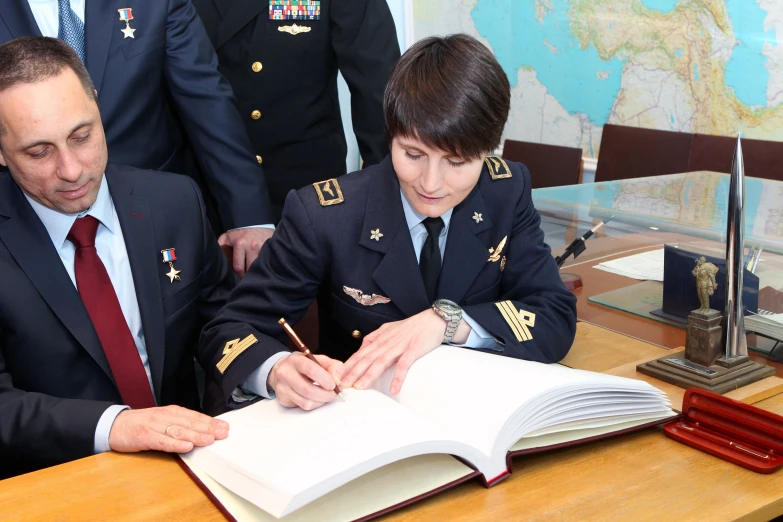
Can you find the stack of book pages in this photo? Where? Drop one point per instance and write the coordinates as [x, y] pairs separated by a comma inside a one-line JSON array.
[[768, 325]]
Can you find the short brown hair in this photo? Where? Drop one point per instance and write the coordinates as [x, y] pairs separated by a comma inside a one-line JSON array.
[[31, 59], [449, 92]]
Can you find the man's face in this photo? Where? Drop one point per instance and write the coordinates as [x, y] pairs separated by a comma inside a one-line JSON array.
[[434, 181], [54, 143]]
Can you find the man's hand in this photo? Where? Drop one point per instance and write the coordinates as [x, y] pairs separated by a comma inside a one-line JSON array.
[[172, 429], [292, 379], [246, 243], [400, 343]]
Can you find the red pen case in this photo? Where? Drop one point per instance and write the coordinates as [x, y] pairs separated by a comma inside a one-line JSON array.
[[731, 430]]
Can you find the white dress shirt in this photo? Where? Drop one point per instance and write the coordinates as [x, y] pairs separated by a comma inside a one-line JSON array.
[[478, 337], [110, 244], [47, 17]]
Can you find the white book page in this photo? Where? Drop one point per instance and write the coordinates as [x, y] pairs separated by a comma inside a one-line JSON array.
[[378, 490], [482, 397], [282, 458]]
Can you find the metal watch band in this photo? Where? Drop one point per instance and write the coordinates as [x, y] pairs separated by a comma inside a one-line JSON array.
[[452, 319]]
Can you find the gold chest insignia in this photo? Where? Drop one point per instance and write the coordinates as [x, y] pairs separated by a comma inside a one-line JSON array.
[[294, 29], [494, 253]]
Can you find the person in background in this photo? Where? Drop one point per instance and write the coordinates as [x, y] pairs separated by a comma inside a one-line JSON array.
[[163, 103], [107, 272], [439, 243], [282, 61]]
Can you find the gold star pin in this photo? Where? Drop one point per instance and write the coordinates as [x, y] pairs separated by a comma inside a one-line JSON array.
[[173, 273], [376, 234], [477, 218], [128, 32]]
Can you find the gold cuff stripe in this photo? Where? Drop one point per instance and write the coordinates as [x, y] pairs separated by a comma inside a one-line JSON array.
[[233, 349], [512, 318]]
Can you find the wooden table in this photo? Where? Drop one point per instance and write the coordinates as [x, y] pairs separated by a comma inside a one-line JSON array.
[[642, 476]]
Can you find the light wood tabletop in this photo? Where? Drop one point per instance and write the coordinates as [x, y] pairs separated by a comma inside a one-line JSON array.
[[640, 476]]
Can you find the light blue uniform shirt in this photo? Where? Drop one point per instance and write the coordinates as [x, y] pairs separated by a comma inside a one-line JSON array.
[[110, 244], [46, 15], [478, 338]]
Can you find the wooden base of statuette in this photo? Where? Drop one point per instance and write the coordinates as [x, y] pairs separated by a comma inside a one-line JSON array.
[[703, 342], [725, 375]]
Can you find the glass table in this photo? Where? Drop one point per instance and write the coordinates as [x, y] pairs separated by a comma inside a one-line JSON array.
[[686, 210]]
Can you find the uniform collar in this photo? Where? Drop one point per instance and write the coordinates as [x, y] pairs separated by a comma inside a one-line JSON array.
[[414, 218], [58, 224]]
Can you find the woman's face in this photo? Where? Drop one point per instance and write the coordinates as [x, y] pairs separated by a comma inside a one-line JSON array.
[[432, 180]]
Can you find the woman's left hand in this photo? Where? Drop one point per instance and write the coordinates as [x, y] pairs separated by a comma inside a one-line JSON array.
[[400, 342]]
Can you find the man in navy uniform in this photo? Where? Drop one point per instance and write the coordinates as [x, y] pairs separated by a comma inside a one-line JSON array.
[[439, 243], [163, 103], [108, 273], [282, 62]]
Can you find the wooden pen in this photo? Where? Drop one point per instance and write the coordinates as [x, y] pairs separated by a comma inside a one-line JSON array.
[[305, 350]]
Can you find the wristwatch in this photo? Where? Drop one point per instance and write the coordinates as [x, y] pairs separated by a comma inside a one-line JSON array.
[[451, 313]]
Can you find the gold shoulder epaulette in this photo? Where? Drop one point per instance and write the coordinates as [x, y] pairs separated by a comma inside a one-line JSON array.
[[498, 168], [329, 192]]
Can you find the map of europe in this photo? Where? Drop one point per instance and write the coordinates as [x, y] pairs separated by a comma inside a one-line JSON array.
[[705, 66]]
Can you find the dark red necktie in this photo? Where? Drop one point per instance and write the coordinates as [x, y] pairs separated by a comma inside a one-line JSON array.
[[102, 305]]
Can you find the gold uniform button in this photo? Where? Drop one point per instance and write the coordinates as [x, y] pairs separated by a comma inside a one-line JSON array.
[[259, 159], [257, 66], [255, 115], [356, 334]]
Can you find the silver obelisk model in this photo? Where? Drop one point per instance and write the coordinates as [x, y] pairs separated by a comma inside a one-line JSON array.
[[735, 344]]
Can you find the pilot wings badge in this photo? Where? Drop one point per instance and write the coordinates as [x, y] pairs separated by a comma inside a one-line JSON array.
[[494, 253], [365, 299]]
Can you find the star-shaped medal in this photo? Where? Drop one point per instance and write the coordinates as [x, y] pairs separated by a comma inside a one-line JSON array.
[[477, 217], [376, 234], [128, 32], [173, 273]]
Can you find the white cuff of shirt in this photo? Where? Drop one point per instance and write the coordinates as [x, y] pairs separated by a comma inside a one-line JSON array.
[[256, 382], [270, 226], [103, 429], [479, 337]]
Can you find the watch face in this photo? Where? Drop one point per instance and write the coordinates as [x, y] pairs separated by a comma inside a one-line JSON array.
[[448, 306]]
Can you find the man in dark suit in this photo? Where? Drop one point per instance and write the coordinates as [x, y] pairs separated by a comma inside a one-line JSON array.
[[161, 99], [282, 62], [439, 243], [107, 279]]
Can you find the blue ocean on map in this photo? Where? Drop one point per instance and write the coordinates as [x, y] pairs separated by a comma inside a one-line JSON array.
[[578, 78], [660, 5], [745, 71]]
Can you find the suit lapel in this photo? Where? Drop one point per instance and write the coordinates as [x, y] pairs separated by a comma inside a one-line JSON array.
[[19, 18], [98, 28], [137, 229], [466, 248], [29, 243], [398, 272], [237, 15]]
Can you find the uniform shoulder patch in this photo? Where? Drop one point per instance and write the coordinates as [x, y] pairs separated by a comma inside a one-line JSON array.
[[498, 168], [329, 192]]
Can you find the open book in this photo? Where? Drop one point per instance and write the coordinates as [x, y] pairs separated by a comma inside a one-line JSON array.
[[358, 458]]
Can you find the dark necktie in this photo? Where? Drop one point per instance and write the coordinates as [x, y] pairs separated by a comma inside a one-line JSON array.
[[71, 29], [102, 305], [429, 261]]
